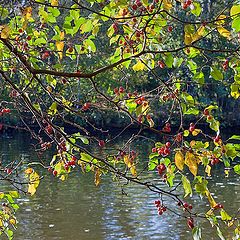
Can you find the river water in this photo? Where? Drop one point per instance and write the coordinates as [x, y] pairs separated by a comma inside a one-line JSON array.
[[77, 210]]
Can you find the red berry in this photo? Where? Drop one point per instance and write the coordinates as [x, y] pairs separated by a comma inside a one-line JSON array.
[[49, 129], [188, 2], [86, 106], [161, 64], [8, 171], [206, 112], [168, 144], [185, 6], [134, 7], [55, 173], [170, 28], [168, 125], [29, 38], [66, 167], [185, 205], [6, 110], [101, 143], [190, 223], [50, 169], [190, 206], [121, 89], [20, 30], [217, 139], [157, 202]]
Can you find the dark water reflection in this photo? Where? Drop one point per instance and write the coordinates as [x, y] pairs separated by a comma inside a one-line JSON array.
[[77, 210]]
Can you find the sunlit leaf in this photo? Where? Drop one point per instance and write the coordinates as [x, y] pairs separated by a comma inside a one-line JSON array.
[[27, 13], [191, 162], [139, 66], [208, 170], [224, 32], [224, 215], [60, 46], [235, 10], [5, 31], [54, 3], [186, 186], [196, 132], [179, 160], [210, 199], [97, 177], [167, 4]]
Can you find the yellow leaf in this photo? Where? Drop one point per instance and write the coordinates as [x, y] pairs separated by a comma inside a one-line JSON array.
[[31, 189], [196, 132], [133, 170], [12, 221], [235, 10], [151, 122], [27, 13], [199, 33], [167, 4], [29, 171], [61, 36], [126, 159], [179, 160], [139, 66], [97, 177], [208, 170], [187, 38], [220, 20], [224, 32], [54, 3], [5, 31], [60, 46], [191, 162], [34, 181], [211, 199]]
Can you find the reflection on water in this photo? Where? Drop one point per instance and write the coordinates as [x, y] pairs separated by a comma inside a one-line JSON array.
[[77, 210]]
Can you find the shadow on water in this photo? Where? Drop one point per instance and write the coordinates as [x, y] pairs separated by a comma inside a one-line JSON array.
[[77, 210]]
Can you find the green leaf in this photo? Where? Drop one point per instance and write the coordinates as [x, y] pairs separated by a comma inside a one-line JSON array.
[[193, 111], [86, 27], [216, 74], [197, 9], [225, 216], [197, 233], [187, 186], [235, 10], [235, 137], [169, 60], [236, 169], [84, 140], [86, 157], [236, 24], [14, 194]]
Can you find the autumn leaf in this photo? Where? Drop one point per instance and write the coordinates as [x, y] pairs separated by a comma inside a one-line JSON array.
[[210, 199], [208, 170], [133, 170], [60, 46], [179, 160], [186, 186], [27, 13], [139, 66], [29, 171], [224, 32], [34, 181], [54, 3], [97, 177], [167, 4], [195, 132], [191, 162], [5, 31]]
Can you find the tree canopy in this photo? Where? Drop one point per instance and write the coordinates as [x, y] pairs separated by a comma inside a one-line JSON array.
[[167, 69]]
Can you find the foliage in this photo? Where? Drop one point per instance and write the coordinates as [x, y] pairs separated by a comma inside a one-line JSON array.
[[63, 62]]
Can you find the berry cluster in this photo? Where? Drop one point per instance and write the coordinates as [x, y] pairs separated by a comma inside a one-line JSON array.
[[160, 207], [167, 128]]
